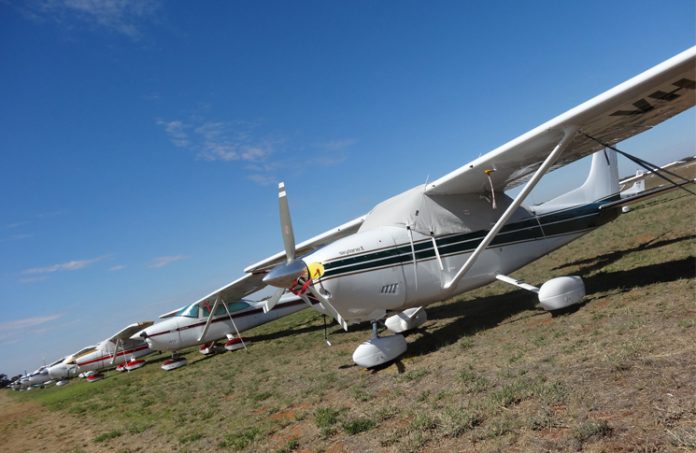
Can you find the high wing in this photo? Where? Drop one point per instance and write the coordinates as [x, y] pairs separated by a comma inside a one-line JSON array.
[[56, 362], [615, 115], [86, 350], [309, 245], [238, 289], [128, 331], [242, 287]]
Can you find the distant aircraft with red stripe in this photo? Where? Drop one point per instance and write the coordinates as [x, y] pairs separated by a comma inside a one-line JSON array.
[[109, 353]]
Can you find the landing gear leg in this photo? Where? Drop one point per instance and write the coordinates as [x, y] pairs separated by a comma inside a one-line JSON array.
[[379, 350]]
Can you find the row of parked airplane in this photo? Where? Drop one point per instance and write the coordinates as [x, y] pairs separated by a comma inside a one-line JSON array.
[[431, 242], [198, 324]]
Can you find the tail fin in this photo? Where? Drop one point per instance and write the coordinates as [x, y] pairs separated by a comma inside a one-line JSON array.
[[602, 182]]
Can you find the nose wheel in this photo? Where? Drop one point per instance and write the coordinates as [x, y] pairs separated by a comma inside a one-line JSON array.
[[379, 350]]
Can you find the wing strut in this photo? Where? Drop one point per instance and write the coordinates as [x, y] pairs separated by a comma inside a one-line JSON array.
[[210, 317], [413, 254], [568, 134], [113, 359], [437, 252], [234, 324]]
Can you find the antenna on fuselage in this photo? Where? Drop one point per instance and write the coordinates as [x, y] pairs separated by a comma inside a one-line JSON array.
[[326, 332]]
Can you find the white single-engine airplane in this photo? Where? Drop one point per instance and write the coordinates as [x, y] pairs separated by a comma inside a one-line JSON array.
[[37, 378], [66, 367], [111, 352], [462, 231], [220, 314]]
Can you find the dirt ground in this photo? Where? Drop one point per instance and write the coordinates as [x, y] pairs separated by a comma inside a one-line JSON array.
[[29, 426]]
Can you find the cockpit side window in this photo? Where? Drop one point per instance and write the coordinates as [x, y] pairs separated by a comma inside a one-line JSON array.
[[220, 310], [237, 306], [205, 309]]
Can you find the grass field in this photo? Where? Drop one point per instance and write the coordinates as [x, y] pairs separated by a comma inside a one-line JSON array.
[[487, 372]]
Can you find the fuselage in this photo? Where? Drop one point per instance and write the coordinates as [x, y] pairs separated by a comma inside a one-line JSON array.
[[107, 355], [185, 329], [39, 377], [62, 370], [386, 269]]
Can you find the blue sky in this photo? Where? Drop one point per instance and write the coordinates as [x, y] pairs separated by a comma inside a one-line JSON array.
[[142, 140]]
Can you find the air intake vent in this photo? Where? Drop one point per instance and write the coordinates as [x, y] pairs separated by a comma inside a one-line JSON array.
[[391, 288]]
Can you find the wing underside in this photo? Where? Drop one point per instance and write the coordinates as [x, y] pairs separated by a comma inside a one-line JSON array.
[[82, 352], [129, 330], [238, 289], [309, 245], [615, 115], [242, 287]]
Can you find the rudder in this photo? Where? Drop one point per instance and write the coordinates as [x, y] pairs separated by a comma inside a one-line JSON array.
[[601, 182]]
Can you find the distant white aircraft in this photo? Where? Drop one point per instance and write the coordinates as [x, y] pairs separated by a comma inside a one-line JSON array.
[[66, 367], [462, 231], [220, 314], [637, 182], [37, 378], [109, 353]]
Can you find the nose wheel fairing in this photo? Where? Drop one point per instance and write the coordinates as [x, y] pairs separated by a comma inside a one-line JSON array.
[[379, 350], [176, 361]]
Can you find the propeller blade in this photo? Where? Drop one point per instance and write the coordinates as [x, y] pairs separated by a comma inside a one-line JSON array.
[[329, 307], [210, 317], [286, 224], [268, 304], [284, 275]]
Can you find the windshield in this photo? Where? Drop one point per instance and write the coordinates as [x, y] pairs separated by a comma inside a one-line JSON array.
[[203, 309], [190, 312]]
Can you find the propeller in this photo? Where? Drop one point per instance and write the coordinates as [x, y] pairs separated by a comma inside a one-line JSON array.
[[284, 275], [294, 275]]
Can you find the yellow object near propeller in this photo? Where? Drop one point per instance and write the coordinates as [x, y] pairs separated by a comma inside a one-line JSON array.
[[316, 270]]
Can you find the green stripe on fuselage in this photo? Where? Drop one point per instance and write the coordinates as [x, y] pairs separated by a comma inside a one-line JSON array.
[[566, 221]]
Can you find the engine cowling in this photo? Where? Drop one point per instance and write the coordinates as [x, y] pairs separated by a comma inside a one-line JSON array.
[[561, 292], [407, 320]]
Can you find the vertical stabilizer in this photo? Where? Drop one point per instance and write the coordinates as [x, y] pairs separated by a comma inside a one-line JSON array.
[[602, 182]]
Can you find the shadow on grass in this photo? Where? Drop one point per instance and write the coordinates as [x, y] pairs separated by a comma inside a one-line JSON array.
[[286, 332], [488, 312], [641, 276], [598, 262], [202, 358], [470, 317], [158, 359]]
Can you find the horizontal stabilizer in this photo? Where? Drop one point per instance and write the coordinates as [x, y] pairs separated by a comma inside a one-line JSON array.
[[645, 195]]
